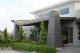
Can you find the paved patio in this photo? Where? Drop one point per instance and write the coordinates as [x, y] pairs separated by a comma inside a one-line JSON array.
[[69, 49]]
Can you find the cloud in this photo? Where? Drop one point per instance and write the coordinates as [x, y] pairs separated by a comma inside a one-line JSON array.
[[20, 9]]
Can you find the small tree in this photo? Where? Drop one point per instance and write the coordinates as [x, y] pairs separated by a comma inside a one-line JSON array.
[[42, 39], [5, 33], [20, 34]]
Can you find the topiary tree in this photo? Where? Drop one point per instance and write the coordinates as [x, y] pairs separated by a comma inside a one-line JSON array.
[[42, 39], [5, 33], [20, 34]]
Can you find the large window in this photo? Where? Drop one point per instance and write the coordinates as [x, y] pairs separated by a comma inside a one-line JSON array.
[[46, 14], [64, 11], [43, 15], [78, 32]]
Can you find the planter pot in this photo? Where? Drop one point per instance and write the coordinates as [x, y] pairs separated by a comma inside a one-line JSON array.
[[62, 44]]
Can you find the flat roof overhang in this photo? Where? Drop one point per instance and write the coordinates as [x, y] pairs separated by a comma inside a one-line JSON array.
[[36, 21], [33, 22]]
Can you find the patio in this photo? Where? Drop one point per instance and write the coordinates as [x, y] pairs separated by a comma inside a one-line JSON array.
[[69, 49]]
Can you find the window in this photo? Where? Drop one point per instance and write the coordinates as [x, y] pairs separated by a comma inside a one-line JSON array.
[[41, 16], [79, 32], [64, 11], [47, 14]]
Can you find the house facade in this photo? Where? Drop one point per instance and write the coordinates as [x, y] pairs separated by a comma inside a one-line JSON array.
[[60, 19]]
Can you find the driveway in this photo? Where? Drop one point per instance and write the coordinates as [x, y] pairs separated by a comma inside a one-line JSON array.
[[69, 49]]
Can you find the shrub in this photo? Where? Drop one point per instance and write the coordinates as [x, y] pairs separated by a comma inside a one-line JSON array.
[[25, 41], [33, 42], [1, 40], [7, 41], [13, 41], [32, 35], [20, 34], [5, 33], [5, 45], [42, 39], [11, 37], [34, 47]]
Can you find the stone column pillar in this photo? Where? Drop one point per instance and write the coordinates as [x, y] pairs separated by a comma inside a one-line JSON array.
[[16, 29], [54, 37]]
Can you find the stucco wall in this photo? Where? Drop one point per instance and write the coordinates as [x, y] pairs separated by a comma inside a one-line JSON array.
[[71, 7]]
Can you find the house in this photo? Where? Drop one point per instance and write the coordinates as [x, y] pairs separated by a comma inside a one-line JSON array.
[[60, 19]]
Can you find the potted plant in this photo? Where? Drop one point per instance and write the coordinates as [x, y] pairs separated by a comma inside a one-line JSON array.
[[63, 39]]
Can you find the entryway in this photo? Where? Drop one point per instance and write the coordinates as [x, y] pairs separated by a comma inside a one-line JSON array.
[[68, 33]]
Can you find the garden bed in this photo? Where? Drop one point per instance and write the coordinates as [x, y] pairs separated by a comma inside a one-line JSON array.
[[34, 47]]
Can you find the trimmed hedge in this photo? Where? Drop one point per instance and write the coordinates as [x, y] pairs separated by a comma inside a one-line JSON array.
[[33, 47]]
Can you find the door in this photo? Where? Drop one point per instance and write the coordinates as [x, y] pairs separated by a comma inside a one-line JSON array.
[[70, 33], [64, 31]]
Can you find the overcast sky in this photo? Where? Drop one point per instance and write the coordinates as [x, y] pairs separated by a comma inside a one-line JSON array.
[[20, 9]]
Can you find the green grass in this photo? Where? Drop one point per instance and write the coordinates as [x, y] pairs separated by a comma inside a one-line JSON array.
[[33, 47]]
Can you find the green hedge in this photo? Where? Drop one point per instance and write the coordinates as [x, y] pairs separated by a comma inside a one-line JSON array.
[[33, 47], [5, 44]]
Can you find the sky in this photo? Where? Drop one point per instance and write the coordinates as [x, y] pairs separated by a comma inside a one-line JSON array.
[[20, 9]]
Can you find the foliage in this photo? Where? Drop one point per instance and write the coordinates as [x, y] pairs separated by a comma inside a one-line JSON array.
[[5, 45], [5, 39], [33, 47], [5, 34], [13, 41], [20, 34], [11, 37], [63, 38], [32, 35], [25, 41], [33, 42], [42, 39], [1, 40]]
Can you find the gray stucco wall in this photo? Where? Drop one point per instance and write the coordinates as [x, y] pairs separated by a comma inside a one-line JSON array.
[[54, 29], [16, 29]]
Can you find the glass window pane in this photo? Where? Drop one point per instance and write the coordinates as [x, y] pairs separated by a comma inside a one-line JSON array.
[[47, 14], [78, 32], [41, 16], [79, 37], [78, 27], [64, 11]]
